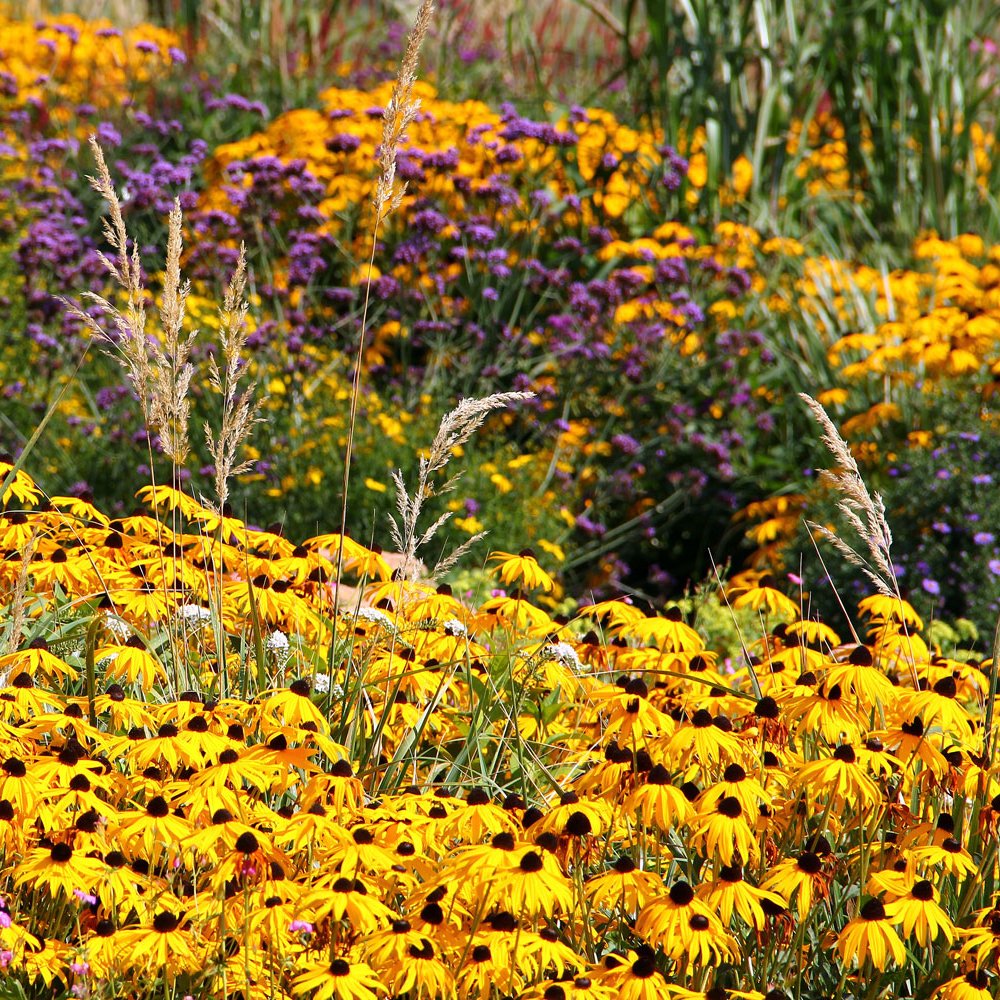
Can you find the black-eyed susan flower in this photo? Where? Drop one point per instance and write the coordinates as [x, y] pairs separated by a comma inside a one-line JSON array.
[[760, 593], [725, 832], [21, 700], [859, 675], [658, 802], [338, 980], [670, 634], [479, 818], [420, 970], [156, 832], [535, 886], [908, 741], [667, 917], [918, 913], [23, 790], [949, 856], [841, 778], [824, 710], [882, 608], [871, 935], [293, 706], [347, 899], [37, 660], [803, 878], [623, 887], [706, 737], [636, 978], [523, 569], [480, 973], [730, 893], [58, 869], [546, 955], [632, 718], [939, 705], [479, 863], [167, 945], [737, 783], [361, 853], [575, 816], [981, 942], [385, 947], [978, 984]]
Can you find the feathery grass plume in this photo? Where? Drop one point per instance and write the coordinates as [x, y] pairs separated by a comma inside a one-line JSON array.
[[240, 411], [455, 429], [159, 369], [864, 512], [399, 113]]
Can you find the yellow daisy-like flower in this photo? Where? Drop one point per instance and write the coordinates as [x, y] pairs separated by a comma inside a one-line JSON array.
[[59, 869], [919, 914], [802, 877], [975, 985], [338, 980], [523, 568], [871, 935], [730, 893], [165, 945], [725, 833], [841, 778], [762, 595], [881, 608], [624, 886], [534, 887]]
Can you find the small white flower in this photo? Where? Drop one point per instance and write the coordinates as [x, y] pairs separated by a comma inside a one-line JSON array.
[[454, 627], [277, 642], [321, 683], [374, 615], [117, 624], [564, 653], [194, 614]]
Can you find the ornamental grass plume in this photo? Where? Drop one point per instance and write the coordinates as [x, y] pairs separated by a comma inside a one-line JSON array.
[[399, 113], [864, 511], [455, 430], [159, 369], [240, 409]]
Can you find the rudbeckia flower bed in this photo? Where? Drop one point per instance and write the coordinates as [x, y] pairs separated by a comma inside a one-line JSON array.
[[223, 778], [289, 763]]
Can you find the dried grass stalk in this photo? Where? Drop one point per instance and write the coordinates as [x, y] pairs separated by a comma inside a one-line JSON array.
[[240, 410], [455, 429], [159, 369], [398, 115], [864, 512]]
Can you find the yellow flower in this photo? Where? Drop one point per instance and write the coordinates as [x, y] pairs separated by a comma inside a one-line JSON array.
[[338, 980], [870, 935], [522, 567]]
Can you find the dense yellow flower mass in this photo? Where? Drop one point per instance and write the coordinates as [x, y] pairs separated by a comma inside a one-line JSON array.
[[67, 60], [188, 775]]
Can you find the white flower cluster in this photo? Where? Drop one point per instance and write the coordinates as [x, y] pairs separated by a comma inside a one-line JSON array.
[[564, 653], [375, 616], [321, 684], [194, 615], [454, 627], [277, 643], [117, 625]]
